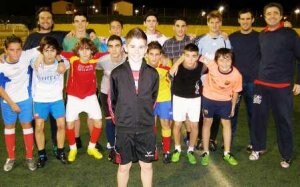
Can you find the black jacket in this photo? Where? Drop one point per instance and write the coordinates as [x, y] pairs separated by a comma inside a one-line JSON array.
[[133, 111]]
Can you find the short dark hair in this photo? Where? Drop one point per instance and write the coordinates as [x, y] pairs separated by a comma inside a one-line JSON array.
[[191, 47], [12, 39], [155, 45], [37, 15], [273, 4], [116, 20], [223, 52], [150, 13], [244, 11], [85, 42], [79, 13], [89, 31], [49, 42], [182, 18], [114, 37], [136, 33]]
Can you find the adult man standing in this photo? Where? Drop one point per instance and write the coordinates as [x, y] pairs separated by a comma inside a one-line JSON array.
[[151, 24], [245, 46], [280, 47]]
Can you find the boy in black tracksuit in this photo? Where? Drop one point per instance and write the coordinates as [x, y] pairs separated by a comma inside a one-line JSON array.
[[280, 47], [134, 88]]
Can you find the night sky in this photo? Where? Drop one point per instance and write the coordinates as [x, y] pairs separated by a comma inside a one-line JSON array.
[[27, 7]]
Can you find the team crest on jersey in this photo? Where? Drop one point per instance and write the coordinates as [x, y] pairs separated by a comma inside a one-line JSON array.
[[257, 99]]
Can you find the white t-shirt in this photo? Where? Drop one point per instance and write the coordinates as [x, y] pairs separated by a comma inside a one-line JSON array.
[[47, 83], [15, 77], [155, 37]]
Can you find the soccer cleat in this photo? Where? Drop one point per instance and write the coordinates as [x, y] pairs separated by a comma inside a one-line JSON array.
[[204, 159], [212, 145], [254, 155], [41, 161], [166, 158], [9, 165], [62, 157], [72, 155], [31, 164], [285, 163], [249, 148], [175, 156], [191, 157], [230, 159], [95, 153]]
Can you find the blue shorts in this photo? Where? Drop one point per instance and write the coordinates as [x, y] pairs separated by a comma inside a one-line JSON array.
[[211, 108], [56, 108], [10, 117], [164, 110]]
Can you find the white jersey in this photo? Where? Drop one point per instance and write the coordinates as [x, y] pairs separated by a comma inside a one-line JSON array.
[[156, 37], [15, 77], [209, 45], [47, 83], [105, 63]]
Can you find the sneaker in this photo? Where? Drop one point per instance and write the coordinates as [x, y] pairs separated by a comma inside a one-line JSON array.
[[254, 155], [62, 157], [199, 145], [78, 143], [9, 165], [72, 155], [191, 157], [212, 145], [249, 148], [166, 158], [204, 159], [108, 146], [95, 153], [175, 156], [54, 150], [31, 164], [285, 163], [41, 161], [230, 159]]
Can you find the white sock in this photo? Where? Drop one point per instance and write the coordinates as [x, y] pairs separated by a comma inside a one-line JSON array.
[[226, 153], [178, 148], [91, 145], [190, 149]]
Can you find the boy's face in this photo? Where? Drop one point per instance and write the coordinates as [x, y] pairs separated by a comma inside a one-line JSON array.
[[214, 25], [85, 53], [13, 52], [273, 16], [115, 48], [136, 49], [151, 23], [80, 23], [224, 63], [49, 54], [154, 56], [246, 20], [180, 28], [45, 21], [190, 59], [115, 28]]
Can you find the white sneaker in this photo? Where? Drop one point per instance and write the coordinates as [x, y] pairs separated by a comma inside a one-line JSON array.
[[254, 155], [31, 164], [9, 164], [285, 163]]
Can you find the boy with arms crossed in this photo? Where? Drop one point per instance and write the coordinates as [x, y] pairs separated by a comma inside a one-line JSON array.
[[134, 88]]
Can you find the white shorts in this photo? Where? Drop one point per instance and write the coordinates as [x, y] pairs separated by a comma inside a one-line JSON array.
[[75, 106], [186, 108]]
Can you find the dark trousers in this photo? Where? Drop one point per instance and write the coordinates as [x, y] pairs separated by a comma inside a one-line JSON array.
[[247, 95], [280, 101]]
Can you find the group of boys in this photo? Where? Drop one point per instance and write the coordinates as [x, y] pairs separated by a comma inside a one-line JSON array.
[[207, 84]]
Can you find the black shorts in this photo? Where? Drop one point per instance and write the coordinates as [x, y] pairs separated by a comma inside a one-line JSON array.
[[103, 103], [136, 147]]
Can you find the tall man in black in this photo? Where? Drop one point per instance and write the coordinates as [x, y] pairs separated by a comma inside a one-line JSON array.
[[280, 47]]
